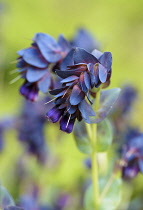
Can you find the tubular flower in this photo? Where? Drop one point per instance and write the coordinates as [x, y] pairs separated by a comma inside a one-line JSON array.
[[132, 155], [78, 81], [35, 64]]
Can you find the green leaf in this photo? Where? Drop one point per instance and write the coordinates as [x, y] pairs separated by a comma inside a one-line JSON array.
[[104, 135], [81, 138], [88, 199], [107, 100], [113, 196], [5, 198]]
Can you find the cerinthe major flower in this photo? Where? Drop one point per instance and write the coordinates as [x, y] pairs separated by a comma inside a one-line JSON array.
[[81, 73], [36, 63]]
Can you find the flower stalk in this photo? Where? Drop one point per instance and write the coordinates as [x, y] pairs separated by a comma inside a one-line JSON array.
[[92, 133]]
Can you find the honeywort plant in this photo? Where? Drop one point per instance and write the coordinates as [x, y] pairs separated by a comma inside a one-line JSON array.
[[80, 100]]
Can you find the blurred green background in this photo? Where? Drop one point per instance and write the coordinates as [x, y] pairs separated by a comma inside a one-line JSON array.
[[117, 25]]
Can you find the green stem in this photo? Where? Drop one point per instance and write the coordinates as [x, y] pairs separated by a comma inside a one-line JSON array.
[[95, 179], [92, 133], [94, 156]]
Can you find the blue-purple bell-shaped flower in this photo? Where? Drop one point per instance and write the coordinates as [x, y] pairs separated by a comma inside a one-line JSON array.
[[37, 63], [132, 155], [81, 73]]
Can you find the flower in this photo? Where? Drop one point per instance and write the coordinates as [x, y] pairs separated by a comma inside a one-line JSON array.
[[85, 40], [86, 73], [132, 154], [36, 63], [30, 129]]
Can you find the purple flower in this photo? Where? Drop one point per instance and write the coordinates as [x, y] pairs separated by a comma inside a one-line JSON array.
[[132, 155], [29, 90], [85, 40], [31, 129], [84, 73], [36, 64]]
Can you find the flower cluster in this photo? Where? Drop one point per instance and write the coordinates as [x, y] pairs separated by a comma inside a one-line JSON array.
[[36, 63], [30, 129], [82, 72], [132, 154]]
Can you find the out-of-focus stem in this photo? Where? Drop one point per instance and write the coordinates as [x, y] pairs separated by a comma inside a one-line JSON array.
[[92, 133], [94, 156]]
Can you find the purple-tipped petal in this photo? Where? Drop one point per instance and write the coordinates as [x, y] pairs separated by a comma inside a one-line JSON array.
[[64, 44], [68, 60], [76, 96], [71, 109], [81, 56], [21, 52], [82, 67], [82, 83], [61, 93], [69, 79], [87, 80], [106, 60], [45, 83], [102, 73], [57, 91], [60, 100], [68, 73], [54, 114], [70, 83], [48, 47], [66, 124], [33, 57], [29, 91], [96, 53], [34, 74], [92, 75], [86, 111]]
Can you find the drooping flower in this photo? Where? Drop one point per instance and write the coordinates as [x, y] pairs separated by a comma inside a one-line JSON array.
[[36, 64], [132, 154], [81, 73]]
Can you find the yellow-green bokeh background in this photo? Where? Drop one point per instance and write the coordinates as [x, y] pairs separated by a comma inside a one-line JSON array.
[[117, 24]]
